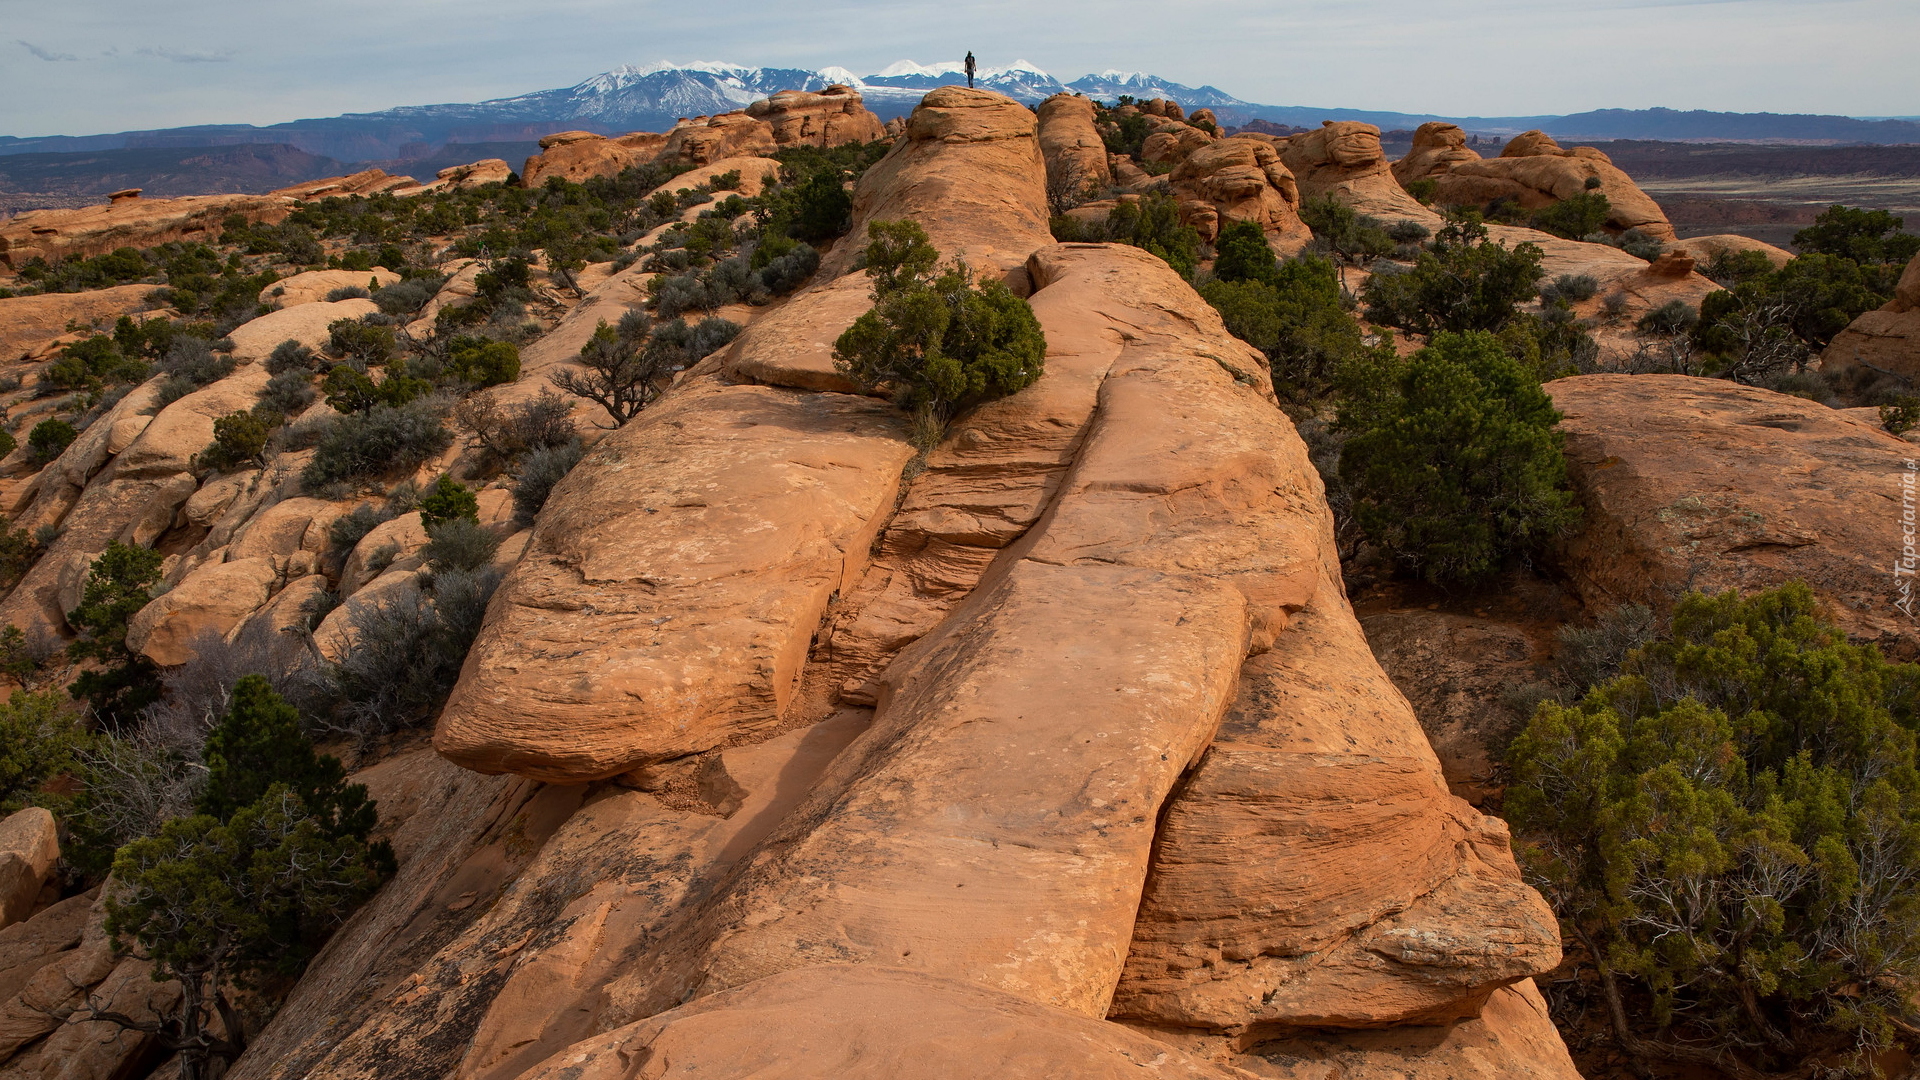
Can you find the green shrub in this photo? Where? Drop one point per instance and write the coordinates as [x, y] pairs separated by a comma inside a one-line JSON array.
[[1728, 268], [1153, 224], [1569, 289], [1671, 319], [40, 738], [1732, 828], [1291, 312], [1423, 190], [1462, 282], [119, 583], [92, 362], [482, 361], [408, 296], [1863, 236], [1453, 459], [382, 440], [252, 886], [1352, 238], [937, 343], [350, 390], [1575, 216], [1901, 416], [360, 342], [448, 500], [239, 438], [49, 439]]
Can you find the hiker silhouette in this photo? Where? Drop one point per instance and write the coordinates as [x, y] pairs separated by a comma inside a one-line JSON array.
[[969, 69]]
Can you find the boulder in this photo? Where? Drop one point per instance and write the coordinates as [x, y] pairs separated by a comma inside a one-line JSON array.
[[706, 139], [307, 324], [364, 182], [1241, 180], [1537, 172], [1437, 147], [830, 117], [970, 172], [29, 846], [582, 155], [393, 541], [753, 171], [28, 323], [284, 529], [136, 223], [310, 286], [1075, 154], [620, 639], [1342, 160], [33, 943], [214, 598], [1172, 143], [1704, 484], [477, 174], [1705, 248], [871, 1023]]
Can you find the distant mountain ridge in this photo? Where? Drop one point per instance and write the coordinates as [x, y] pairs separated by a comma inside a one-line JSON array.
[[654, 96]]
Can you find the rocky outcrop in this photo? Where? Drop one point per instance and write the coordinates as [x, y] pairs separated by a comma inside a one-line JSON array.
[[214, 599], [314, 286], [1704, 484], [1537, 172], [1075, 154], [830, 117], [1241, 180], [970, 172], [706, 139], [29, 323], [1437, 148], [582, 155], [1887, 339], [134, 223], [1705, 248], [29, 846], [472, 175], [364, 182], [616, 642], [1342, 160], [871, 1023]]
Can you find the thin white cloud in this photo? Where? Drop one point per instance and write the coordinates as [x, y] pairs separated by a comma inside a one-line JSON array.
[[45, 54], [180, 57]]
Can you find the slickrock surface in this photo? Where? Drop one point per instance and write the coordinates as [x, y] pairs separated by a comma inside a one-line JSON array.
[[28, 323], [870, 1023], [136, 223], [667, 597], [364, 182], [315, 285], [1538, 172], [1705, 484], [1320, 767]]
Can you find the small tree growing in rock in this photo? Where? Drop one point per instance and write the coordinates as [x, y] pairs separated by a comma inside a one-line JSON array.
[[936, 341], [621, 375], [119, 583]]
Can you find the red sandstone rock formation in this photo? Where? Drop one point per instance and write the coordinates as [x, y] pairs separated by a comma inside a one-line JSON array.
[[1537, 172], [136, 223]]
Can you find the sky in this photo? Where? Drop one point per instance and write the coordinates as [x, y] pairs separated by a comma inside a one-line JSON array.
[[93, 66]]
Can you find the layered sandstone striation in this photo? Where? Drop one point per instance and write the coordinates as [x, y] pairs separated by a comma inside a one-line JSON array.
[[1076, 155], [130, 222], [1704, 484], [831, 117]]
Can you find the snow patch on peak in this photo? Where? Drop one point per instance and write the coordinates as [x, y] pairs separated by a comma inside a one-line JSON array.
[[907, 67], [839, 75]]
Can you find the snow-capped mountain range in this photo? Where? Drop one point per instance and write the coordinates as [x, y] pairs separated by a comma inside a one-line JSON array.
[[648, 97], [652, 97]]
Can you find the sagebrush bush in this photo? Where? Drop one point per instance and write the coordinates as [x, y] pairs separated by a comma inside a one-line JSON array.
[[459, 544], [1671, 319], [505, 434], [409, 296], [1569, 289], [193, 359], [290, 355], [288, 393], [537, 474], [384, 439]]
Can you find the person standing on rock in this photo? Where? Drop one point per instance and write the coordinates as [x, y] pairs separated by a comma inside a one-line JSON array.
[[969, 69]]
